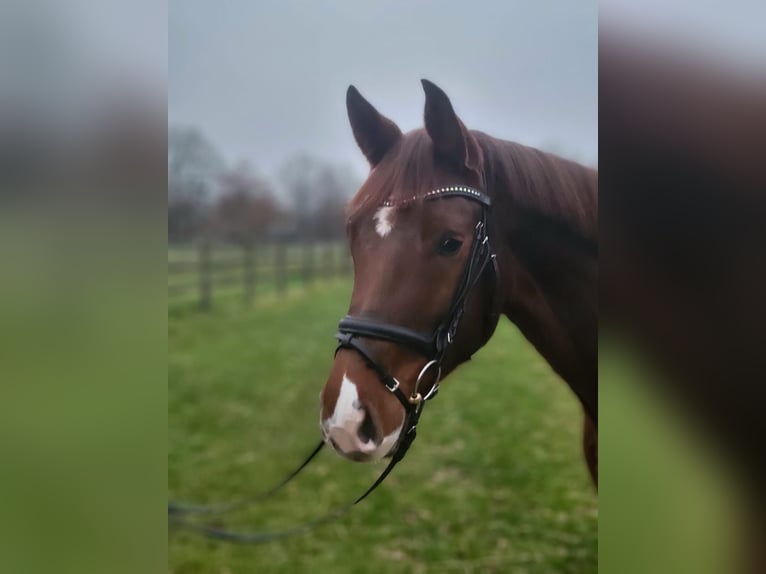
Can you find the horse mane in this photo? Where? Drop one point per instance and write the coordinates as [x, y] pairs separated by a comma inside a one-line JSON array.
[[552, 187], [557, 189]]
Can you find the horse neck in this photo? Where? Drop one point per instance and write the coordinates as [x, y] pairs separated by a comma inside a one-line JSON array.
[[548, 260]]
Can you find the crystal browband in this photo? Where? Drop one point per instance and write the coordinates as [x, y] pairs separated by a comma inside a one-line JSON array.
[[452, 190]]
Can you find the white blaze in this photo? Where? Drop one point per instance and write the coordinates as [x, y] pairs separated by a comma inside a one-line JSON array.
[[383, 224], [343, 426], [347, 411]]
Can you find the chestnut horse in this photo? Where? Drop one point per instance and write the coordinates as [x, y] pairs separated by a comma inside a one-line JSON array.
[[409, 256]]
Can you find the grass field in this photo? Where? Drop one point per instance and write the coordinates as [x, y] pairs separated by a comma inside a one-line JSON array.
[[494, 483]]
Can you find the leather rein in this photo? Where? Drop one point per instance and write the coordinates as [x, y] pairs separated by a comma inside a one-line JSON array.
[[352, 332]]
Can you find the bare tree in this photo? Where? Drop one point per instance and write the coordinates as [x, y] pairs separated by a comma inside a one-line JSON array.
[[318, 192], [246, 208], [194, 167], [194, 164], [298, 175], [332, 193]]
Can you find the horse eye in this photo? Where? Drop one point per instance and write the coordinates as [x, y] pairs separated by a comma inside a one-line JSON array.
[[450, 246]]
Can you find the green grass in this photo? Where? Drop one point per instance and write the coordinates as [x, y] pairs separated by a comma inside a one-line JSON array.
[[495, 482]]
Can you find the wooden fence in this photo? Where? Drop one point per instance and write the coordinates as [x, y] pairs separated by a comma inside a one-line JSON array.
[[205, 271]]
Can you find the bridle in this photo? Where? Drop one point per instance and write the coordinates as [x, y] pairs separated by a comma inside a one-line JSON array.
[[352, 332]]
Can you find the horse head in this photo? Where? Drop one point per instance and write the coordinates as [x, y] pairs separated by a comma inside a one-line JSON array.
[[413, 228]]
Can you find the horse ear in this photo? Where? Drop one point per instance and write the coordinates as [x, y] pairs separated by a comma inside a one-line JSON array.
[[374, 133], [452, 141]]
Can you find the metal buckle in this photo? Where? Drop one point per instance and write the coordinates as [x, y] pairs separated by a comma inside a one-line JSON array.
[[396, 385]]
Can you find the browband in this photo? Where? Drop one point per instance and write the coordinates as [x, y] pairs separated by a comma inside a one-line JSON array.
[[447, 191]]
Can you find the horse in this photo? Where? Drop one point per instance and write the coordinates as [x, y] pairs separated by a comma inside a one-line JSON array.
[[433, 197]]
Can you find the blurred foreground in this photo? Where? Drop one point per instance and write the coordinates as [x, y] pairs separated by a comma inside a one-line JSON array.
[[682, 278]]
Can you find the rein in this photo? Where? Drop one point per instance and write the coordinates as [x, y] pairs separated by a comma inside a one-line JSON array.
[[351, 334]]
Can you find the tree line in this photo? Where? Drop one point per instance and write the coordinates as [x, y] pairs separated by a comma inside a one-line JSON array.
[[234, 203]]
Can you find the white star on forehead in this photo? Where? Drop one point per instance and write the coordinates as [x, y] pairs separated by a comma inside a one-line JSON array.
[[383, 220]]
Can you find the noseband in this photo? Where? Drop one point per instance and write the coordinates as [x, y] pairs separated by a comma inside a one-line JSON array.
[[353, 330]]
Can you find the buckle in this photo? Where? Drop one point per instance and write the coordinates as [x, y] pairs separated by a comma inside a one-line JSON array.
[[396, 385]]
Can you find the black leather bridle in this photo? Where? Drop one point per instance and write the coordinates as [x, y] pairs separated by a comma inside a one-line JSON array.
[[352, 332]]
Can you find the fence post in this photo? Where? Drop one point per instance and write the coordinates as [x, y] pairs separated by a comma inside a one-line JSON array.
[[205, 276], [326, 261], [339, 263], [248, 254], [308, 261], [280, 267], [334, 272]]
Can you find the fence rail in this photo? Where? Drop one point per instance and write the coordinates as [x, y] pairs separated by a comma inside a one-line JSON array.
[[206, 270]]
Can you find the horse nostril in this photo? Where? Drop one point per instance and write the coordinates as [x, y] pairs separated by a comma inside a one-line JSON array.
[[366, 432]]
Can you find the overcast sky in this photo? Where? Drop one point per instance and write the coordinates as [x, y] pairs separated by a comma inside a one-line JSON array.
[[266, 80]]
